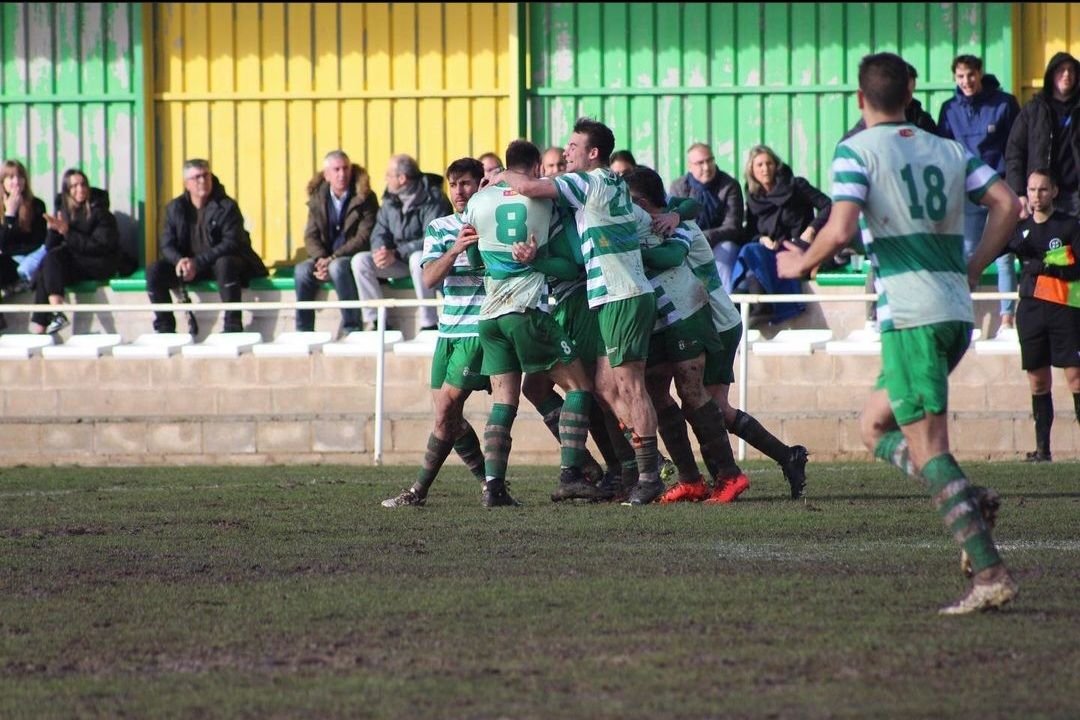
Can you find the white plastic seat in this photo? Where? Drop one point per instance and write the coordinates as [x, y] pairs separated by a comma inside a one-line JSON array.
[[222, 345], [21, 347], [153, 346], [423, 345], [793, 342], [361, 343], [1007, 342], [292, 344], [858, 342], [82, 347]]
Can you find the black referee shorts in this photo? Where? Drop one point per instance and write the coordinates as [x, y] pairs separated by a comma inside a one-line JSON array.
[[1049, 334]]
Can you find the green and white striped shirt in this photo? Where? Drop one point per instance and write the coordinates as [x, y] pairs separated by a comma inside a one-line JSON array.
[[911, 187], [703, 263], [609, 242], [463, 288], [679, 293]]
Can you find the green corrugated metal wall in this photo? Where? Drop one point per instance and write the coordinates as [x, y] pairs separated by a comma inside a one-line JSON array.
[[737, 74], [71, 96]]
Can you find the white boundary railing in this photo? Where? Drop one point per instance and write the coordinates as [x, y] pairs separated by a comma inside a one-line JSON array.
[[742, 301]]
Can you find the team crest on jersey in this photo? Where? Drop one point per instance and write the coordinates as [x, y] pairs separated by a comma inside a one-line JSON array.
[[907, 132], [1055, 243], [508, 193]]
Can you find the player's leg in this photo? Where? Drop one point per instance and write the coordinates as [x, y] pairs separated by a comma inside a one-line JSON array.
[[1042, 407], [1034, 326], [539, 389], [1072, 377], [719, 375], [671, 426], [501, 365], [449, 392]]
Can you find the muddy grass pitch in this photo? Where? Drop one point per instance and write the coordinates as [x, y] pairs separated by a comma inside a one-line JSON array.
[[288, 591]]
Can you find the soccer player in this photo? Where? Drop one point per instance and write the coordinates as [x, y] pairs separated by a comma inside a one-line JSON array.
[[683, 336], [456, 366], [910, 186], [516, 336], [617, 288]]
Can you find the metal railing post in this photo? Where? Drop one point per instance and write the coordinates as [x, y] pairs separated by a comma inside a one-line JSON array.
[[744, 367], [380, 376]]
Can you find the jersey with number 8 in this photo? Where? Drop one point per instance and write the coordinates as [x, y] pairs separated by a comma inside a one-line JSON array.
[[501, 218], [911, 187]]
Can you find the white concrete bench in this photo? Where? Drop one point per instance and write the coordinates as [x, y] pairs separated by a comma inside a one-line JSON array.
[[82, 347], [361, 344], [222, 345], [793, 342], [292, 344], [423, 345], [153, 346], [21, 347]]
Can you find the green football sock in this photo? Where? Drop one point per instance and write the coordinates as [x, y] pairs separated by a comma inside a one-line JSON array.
[[468, 449], [497, 440], [954, 502], [647, 456], [574, 427], [671, 425], [707, 422], [434, 457], [598, 430], [1076, 406], [623, 449], [549, 409], [893, 449]]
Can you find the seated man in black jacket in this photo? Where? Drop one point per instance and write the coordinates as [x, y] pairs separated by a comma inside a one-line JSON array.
[[204, 238]]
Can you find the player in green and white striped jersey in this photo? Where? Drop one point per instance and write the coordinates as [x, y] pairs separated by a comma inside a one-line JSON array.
[[616, 284], [456, 366], [516, 335], [911, 187], [683, 338]]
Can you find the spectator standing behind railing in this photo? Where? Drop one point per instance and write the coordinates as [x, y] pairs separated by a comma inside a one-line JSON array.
[[1045, 136], [721, 216], [411, 201], [341, 216], [779, 207], [204, 238], [83, 244], [980, 118], [22, 234]]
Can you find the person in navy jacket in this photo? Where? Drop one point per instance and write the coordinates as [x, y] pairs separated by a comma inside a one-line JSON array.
[[980, 118]]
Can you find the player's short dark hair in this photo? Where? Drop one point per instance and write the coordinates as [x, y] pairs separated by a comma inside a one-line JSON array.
[[1046, 173], [883, 79], [645, 182], [522, 155], [968, 61], [599, 135], [625, 155], [465, 166]]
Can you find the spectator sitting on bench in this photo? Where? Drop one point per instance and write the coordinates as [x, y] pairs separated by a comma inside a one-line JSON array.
[[83, 244], [341, 216], [204, 238], [411, 201], [22, 234]]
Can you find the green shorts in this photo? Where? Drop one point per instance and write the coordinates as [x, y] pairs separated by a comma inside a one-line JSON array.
[[915, 367], [573, 315], [530, 341], [458, 362], [626, 328], [685, 340], [720, 366]]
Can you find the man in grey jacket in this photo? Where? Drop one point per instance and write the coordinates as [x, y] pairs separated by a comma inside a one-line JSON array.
[[412, 200]]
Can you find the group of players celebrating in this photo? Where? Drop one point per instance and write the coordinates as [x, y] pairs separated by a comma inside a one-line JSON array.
[[588, 281]]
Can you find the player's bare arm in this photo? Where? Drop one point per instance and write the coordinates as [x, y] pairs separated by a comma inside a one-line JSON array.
[[843, 223], [437, 270], [527, 185], [1004, 213]]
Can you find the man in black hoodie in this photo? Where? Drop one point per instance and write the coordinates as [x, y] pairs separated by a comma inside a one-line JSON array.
[[1045, 136], [204, 238]]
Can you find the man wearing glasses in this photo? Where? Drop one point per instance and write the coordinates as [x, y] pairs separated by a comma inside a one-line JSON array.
[[204, 238]]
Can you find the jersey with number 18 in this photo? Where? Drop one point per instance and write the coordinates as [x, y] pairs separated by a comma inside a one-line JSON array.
[[911, 187]]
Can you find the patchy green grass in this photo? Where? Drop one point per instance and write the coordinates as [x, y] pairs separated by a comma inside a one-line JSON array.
[[258, 592]]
